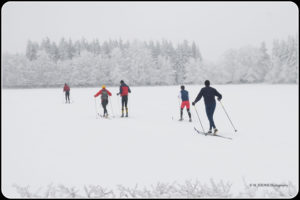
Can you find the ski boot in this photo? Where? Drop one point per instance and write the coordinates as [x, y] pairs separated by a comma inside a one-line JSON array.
[[126, 115], [215, 131], [209, 132], [190, 120], [181, 119]]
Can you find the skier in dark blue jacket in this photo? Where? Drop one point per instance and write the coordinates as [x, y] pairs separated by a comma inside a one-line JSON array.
[[209, 93], [184, 95]]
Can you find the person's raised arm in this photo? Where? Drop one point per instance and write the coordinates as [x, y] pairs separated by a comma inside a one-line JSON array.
[[98, 93], [120, 91], [218, 95], [129, 89], [199, 96]]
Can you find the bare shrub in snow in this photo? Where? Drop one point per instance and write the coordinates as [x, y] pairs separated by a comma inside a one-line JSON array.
[[269, 190], [97, 191], [188, 189]]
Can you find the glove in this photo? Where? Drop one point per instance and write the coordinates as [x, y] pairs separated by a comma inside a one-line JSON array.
[[118, 94], [193, 103], [219, 99]]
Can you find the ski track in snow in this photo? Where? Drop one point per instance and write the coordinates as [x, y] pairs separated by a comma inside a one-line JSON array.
[[47, 141]]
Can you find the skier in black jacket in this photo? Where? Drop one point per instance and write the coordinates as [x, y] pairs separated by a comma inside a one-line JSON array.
[[209, 94]]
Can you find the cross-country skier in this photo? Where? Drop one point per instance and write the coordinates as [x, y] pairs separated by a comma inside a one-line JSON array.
[[184, 95], [67, 92], [104, 99], [209, 93], [124, 89]]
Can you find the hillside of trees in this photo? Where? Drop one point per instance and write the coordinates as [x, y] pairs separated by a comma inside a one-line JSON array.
[[82, 64]]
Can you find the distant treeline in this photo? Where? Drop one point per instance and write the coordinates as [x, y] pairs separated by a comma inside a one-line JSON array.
[[83, 63]]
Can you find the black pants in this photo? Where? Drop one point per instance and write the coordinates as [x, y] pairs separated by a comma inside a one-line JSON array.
[[104, 104], [210, 109], [67, 94], [124, 103], [188, 111]]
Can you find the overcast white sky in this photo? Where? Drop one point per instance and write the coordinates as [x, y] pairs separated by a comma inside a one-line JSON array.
[[214, 26]]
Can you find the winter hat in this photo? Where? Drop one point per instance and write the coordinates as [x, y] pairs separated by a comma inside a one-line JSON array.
[[121, 81], [103, 86], [182, 87]]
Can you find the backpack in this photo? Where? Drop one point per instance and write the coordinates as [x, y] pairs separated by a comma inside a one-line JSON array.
[[124, 90], [104, 95]]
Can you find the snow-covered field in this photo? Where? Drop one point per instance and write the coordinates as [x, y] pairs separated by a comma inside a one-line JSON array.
[[47, 141]]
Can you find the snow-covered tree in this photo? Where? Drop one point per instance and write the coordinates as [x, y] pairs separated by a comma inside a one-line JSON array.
[[117, 67], [83, 69], [139, 62], [194, 71], [63, 49], [89, 63], [246, 65], [164, 73], [31, 50], [285, 61]]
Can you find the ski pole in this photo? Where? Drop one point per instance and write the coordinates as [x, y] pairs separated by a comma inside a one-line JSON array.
[[228, 117], [96, 108], [64, 97], [129, 103], [119, 102], [179, 105], [178, 101], [199, 119], [111, 106]]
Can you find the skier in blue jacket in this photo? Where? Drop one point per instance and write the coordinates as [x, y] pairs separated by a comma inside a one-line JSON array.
[[184, 95], [209, 93]]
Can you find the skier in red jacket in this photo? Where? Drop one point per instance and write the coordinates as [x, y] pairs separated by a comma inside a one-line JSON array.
[[67, 92], [124, 89], [104, 99]]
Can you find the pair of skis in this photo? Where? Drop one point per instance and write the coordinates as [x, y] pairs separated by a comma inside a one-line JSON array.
[[102, 116], [209, 134]]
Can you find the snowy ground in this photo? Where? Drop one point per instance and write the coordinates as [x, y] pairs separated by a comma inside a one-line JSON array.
[[47, 141]]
